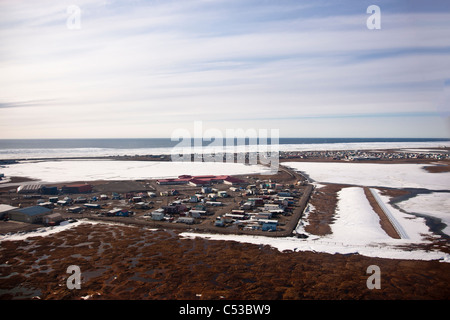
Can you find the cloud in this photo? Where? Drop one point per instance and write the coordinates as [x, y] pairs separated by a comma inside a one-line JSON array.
[[165, 62]]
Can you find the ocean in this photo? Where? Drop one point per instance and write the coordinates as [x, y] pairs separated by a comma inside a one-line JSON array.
[[66, 148]]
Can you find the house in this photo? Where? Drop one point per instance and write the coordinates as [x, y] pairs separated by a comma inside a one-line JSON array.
[[206, 190], [75, 209], [142, 205], [47, 204], [81, 200], [53, 219], [199, 182], [92, 206], [186, 220], [222, 194], [173, 209], [157, 215], [247, 205], [32, 214], [233, 181], [117, 212], [214, 203], [200, 207], [271, 206], [219, 223], [256, 201], [53, 199], [197, 213]]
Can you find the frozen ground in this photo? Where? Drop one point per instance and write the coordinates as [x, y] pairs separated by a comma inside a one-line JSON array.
[[90, 170], [436, 204], [356, 222], [356, 230], [399, 175]]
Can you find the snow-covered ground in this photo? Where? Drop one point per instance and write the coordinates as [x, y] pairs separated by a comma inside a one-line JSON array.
[[399, 175], [41, 232], [436, 204], [90, 170], [356, 230], [356, 222]]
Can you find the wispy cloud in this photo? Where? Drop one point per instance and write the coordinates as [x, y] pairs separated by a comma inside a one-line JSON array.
[[171, 62]]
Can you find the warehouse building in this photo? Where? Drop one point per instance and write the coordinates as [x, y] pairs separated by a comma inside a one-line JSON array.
[[33, 214], [77, 188]]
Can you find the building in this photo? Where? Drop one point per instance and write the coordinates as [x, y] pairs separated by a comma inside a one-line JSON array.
[[92, 206], [186, 220], [77, 188], [5, 209], [53, 219], [233, 181], [75, 209], [29, 188], [117, 212], [49, 190], [158, 215], [33, 214]]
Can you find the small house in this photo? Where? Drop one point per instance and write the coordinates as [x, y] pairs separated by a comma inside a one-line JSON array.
[[197, 213], [53, 219], [53, 199], [186, 220], [115, 196], [92, 205], [62, 203], [247, 205], [222, 194], [206, 190], [214, 203], [117, 212], [75, 209], [157, 215], [81, 200], [219, 223]]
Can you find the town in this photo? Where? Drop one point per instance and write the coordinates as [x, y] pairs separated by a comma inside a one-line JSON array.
[[250, 204]]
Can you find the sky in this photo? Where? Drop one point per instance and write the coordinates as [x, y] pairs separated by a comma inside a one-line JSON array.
[[143, 69]]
